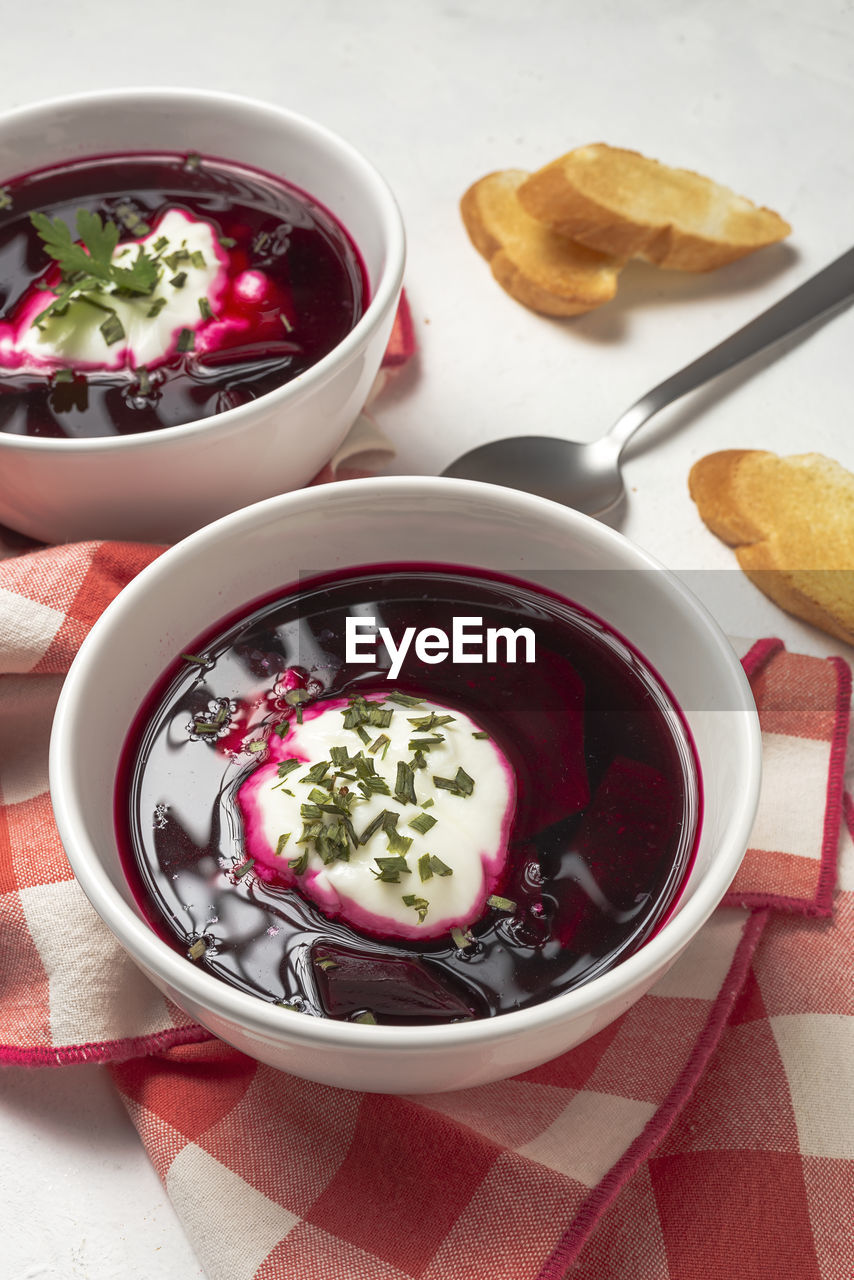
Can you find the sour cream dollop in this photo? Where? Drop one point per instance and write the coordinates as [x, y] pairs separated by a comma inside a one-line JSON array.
[[152, 323], [407, 881]]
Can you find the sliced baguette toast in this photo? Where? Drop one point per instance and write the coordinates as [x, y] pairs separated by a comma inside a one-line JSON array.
[[791, 522], [540, 269], [619, 202]]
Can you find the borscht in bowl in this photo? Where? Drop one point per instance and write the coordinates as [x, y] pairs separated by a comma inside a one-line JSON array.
[[405, 784], [146, 291], [196, 291], [505, 818]]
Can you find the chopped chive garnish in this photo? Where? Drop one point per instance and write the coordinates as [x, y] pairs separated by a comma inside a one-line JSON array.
[[404, 699], [326, 962], [179, 280], [5, 198], [241, 871], [256, 746], [289, 328], [422, 823], [460, 785], [282, 730], [462, 938], [424, 869], [317, 772], [404, 784], [421, 905], [193, 160], [480, 734], [391, 869], [428, 804], [197, 258], [425, 744], [366, 1017], [283, 840], [439, 867], [160, 244], [112, 329], [156, 307], [465, 784], [294, 697], [172, 259], [287, 766], [500, 904], [425, 723], [227, 242], [205, 309], [396, 842], [197, 949], [300, 864], [63, 375], [186, 340], [383, 742]]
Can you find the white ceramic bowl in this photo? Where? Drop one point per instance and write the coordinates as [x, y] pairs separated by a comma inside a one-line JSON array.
[[255, 551], [161, 485]]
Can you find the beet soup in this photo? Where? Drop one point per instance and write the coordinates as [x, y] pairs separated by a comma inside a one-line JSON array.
[[145, 291], [466, 839]]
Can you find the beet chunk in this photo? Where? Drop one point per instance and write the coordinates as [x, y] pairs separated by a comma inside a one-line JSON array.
[[394, 987]]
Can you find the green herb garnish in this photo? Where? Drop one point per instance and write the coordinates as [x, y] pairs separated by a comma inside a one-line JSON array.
[[391, 869], [178, 281], [422, 823], [112, 329], [227, 242], [241, 871], [205, 309], [499, 903], [404, 699], [383, 742], [480, 734], [186, 341], [366, 1017], [88, 269], [404, 784], [299, 865], [197, 949], [5, 198], [462, 938], [460, 785], [156, 307], [283, 840], [63, 375], [197, 259], [421, 905]]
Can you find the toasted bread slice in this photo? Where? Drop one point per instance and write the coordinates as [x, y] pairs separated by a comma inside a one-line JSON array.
[[540, 269], [621, 203], [791, 521]]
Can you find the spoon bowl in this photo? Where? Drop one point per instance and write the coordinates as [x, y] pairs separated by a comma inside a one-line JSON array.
[[588, 477]]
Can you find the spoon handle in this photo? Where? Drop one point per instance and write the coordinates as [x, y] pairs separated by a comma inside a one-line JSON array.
[[821, 293]]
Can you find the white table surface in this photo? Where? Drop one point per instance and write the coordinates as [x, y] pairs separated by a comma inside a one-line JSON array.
[[756, 93]]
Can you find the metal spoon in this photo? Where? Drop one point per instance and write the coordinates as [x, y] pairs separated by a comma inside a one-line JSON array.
[[588, 476]]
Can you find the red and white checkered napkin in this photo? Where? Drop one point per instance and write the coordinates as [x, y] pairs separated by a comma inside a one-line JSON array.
[[709, 1132]]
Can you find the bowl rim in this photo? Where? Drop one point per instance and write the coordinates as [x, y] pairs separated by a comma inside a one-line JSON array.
[[255, 1015], [384, 297]]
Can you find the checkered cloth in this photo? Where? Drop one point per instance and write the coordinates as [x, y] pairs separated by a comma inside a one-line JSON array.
[[708, 1132]]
